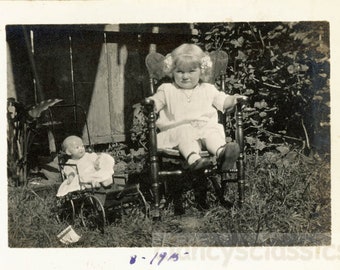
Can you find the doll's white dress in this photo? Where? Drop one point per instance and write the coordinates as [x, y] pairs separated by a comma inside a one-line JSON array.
[[88, 175]]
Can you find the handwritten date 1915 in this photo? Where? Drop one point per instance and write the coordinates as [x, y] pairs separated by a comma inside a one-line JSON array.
[[158, 258]]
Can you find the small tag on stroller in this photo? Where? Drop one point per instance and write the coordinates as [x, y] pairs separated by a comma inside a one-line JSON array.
[[68, 236]]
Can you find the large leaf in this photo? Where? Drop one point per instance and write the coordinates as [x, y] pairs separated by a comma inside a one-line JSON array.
[[36, 110]]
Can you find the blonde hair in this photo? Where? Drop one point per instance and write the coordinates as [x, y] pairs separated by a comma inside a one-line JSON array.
[[188, 55]]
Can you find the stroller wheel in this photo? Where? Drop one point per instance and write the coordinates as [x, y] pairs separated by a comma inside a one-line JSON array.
[[92, 213], [65, 212]]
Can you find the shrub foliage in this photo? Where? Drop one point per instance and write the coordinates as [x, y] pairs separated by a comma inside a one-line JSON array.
[[284, 68]]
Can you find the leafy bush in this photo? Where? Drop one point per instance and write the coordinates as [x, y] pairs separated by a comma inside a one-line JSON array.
[[284, 68], [22, 127]]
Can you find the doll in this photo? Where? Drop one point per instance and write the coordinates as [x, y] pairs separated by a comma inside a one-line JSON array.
[[91, 170]]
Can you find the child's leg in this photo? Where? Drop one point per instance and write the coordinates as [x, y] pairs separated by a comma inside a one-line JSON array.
[[190, 149], [214, 142], [187, 140], [188, 144]]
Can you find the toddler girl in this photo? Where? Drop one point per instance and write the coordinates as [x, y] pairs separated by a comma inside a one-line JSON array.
[[94, 170], [188, 107]]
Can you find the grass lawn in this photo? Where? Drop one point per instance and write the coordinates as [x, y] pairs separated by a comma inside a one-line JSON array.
[[287, 203]]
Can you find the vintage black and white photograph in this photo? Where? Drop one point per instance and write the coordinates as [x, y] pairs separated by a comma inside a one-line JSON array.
[[197, 134]]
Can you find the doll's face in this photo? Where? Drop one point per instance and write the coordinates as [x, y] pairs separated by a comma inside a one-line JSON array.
[[75, 148], [187, 78]]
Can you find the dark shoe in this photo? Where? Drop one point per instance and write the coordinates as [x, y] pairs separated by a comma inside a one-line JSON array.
[[228, 156], [200, 164]]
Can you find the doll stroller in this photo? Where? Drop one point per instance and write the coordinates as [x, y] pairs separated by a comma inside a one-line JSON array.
[[96, 206]]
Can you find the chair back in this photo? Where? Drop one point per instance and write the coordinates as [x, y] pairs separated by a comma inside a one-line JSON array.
[[219, 67], [154, 64]]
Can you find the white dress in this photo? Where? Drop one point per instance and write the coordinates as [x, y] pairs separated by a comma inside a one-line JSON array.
[[196, 115], [87, 173]]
